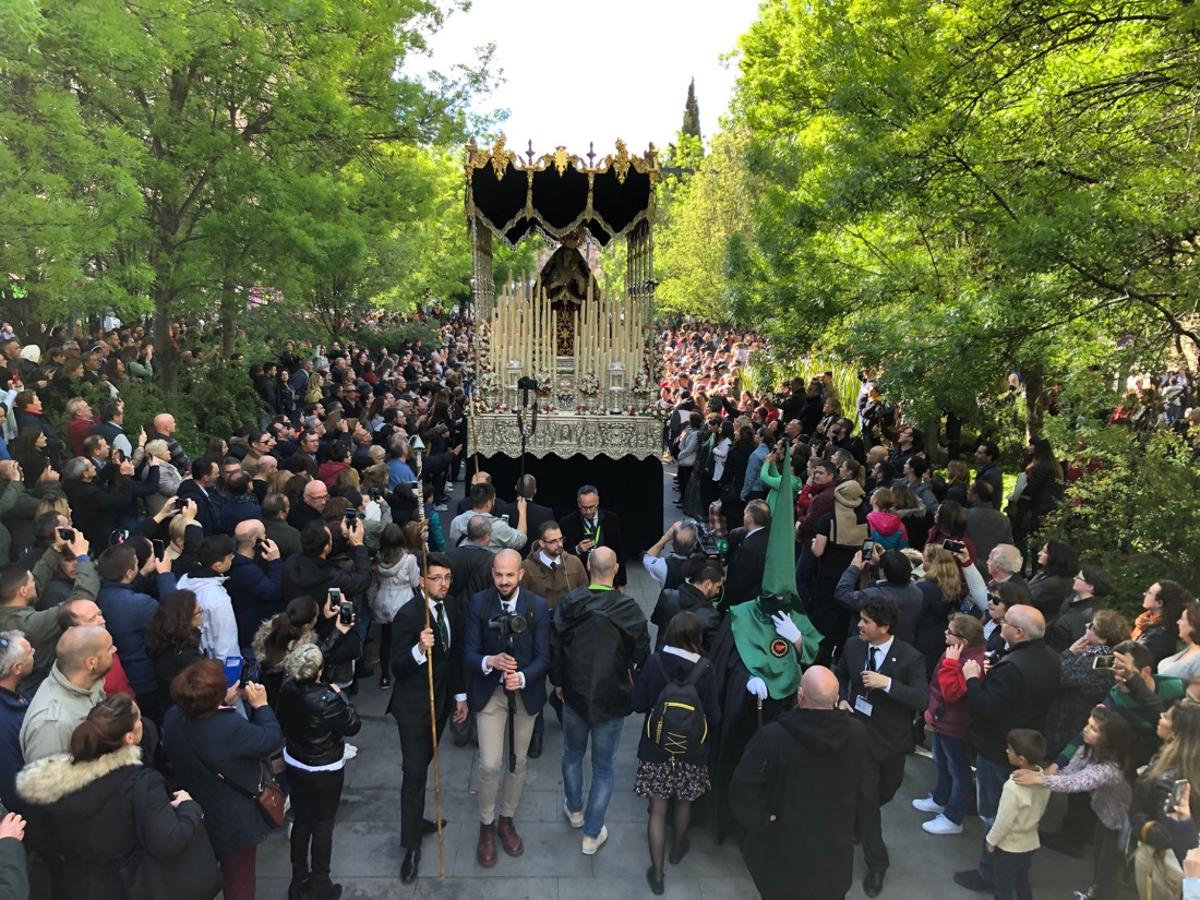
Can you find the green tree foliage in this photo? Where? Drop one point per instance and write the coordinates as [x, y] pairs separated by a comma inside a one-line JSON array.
[[691, 113], [194, 147], [955, 191]]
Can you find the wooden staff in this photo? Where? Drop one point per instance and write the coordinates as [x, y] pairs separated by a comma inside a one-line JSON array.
[[477, 391], [437, 766]]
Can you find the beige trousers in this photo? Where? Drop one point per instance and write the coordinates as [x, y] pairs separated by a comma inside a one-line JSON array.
[[490, 724]]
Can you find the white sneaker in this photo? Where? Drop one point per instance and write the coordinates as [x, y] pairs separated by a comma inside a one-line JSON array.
[[926, 805], [591, 845], [941, 825], [576, 819], [350, 752]]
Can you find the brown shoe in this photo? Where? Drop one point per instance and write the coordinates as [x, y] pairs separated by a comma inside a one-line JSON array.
[[509, 839], [485, 853]]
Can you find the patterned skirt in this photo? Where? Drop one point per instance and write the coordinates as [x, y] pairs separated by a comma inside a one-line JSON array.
[[676, 781]]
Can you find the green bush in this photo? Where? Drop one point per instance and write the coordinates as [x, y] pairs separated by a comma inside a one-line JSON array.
[[1136, 515]]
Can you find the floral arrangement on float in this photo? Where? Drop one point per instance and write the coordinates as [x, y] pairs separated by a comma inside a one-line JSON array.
[[589, 385]]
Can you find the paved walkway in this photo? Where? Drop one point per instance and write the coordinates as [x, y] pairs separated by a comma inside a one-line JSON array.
[[367, 854]]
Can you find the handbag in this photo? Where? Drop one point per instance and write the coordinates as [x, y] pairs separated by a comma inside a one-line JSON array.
[[191, 875], [268, 796], [1158, 874]]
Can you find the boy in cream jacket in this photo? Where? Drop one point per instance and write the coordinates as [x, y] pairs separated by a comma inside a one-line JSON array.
[[1013, 837]]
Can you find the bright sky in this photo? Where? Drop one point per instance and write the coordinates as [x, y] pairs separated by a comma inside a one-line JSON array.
[[619, 69]]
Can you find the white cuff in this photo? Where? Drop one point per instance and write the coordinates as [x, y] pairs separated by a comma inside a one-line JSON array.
[[460, 698], [418, 654], [487, 670], [522, 677]]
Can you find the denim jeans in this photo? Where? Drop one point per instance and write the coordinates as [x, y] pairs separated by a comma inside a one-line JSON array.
[[989, 782], [1011, 872], [951, 756], [605, 737]]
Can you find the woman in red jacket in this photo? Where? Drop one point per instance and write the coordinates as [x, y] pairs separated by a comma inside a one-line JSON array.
[[948, 713]]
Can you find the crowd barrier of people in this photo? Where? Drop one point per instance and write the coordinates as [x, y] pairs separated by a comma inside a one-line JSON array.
[[182, 640]]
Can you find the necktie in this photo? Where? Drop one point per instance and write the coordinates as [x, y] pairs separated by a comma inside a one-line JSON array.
[[440, 625], [871, 665], [553, 567]]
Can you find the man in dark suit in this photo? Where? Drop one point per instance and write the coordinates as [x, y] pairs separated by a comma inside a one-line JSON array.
[[592, 526], [507, 689], [412, 644], [747, 555], [471, 561], [199, 488], [882, 682], [535, 513]]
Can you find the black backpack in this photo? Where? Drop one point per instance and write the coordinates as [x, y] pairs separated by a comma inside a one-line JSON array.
[[677, 724]]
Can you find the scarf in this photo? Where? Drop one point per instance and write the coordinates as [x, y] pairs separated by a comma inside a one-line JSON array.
[[1146, 620]]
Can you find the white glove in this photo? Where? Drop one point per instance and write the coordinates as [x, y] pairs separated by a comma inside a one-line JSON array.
[[785, 627], [757, 687]]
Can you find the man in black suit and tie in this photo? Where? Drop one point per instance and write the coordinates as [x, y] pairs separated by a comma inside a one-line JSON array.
[[199, 488], [412, 645], [501, 670], [591, 527], [882, 682], [747, 555], [535, 513]]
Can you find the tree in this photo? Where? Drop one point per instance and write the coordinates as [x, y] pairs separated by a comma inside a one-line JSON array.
[[957, 192], [691, 113], [217, 106]]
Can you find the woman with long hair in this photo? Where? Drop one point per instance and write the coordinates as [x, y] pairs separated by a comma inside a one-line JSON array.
[[397, 576], [96, 807], [661, 778], [173, 637], [1157, 626], [940, 586], [1043, 491], [1186, 663], [1049, 588], [1161, 838], [296, 625], [958, 481], [28, 448]]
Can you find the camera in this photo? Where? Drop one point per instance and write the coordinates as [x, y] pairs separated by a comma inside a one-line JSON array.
[[509, 626], [705, 542]]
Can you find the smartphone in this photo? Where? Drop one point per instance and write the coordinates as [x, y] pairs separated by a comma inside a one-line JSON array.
[[351, 515], [346, 612], [1178, 789], [868, 549], [233, 670], [67, 534], [1104, 661], [249, 671], [159, 548], [954, 546], [375, 493], [335, 595]]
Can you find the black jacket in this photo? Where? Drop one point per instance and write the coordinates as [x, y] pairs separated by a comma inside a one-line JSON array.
[[409, 703], [685, 598], [470, 571], [83, 819], [315, 719], [597, 639], [95, 508], [1015, 694], [313, 576], [1072, 621], [610, 536], [746, 560], [809, 759], [890, 722]]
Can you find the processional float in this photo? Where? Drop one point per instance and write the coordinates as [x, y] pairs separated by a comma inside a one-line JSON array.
[[591, 360]]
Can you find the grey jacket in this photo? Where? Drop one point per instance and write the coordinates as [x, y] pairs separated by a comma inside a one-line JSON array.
[[54, 712]]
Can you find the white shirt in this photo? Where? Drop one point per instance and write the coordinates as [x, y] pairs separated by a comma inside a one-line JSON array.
[[679, 651], [657, 567], [549, 561], [881, 652], [418, 654]]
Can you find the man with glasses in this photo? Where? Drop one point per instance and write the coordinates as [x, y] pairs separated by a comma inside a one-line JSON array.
[[261, 445], [1016, 694], [592, 527], [413, 644]]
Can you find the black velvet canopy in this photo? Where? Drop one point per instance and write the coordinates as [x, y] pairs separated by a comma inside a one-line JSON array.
[[559, 192]]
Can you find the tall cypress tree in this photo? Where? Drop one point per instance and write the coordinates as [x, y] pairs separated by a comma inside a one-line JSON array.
[[691, 112]]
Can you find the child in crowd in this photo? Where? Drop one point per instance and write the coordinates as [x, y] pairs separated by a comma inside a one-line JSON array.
[[1013, 837], [1103, 769], [885, 527]]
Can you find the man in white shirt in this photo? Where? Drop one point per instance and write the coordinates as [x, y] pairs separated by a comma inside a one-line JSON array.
[[504, 536]]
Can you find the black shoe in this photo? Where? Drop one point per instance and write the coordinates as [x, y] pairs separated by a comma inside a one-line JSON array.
[[972, 881], [298, 889], [679, 851], [428, 826], [324, 889], [655, 880], [1059, 842], [535, 746], [385, 681], [873, 884], [408, 868]]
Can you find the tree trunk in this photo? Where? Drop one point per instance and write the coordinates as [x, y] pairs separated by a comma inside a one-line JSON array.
[[165, 358], [1035, 403]]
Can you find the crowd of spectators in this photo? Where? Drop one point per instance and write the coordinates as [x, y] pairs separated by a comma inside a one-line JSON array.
[[180, 637]]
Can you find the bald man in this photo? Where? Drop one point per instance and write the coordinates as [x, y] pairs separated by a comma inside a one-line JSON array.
[[311, 507], [598, 637], [255, 583], [75, 685], [1016, 694], [507, 669], [163, 428], [794, 795]]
